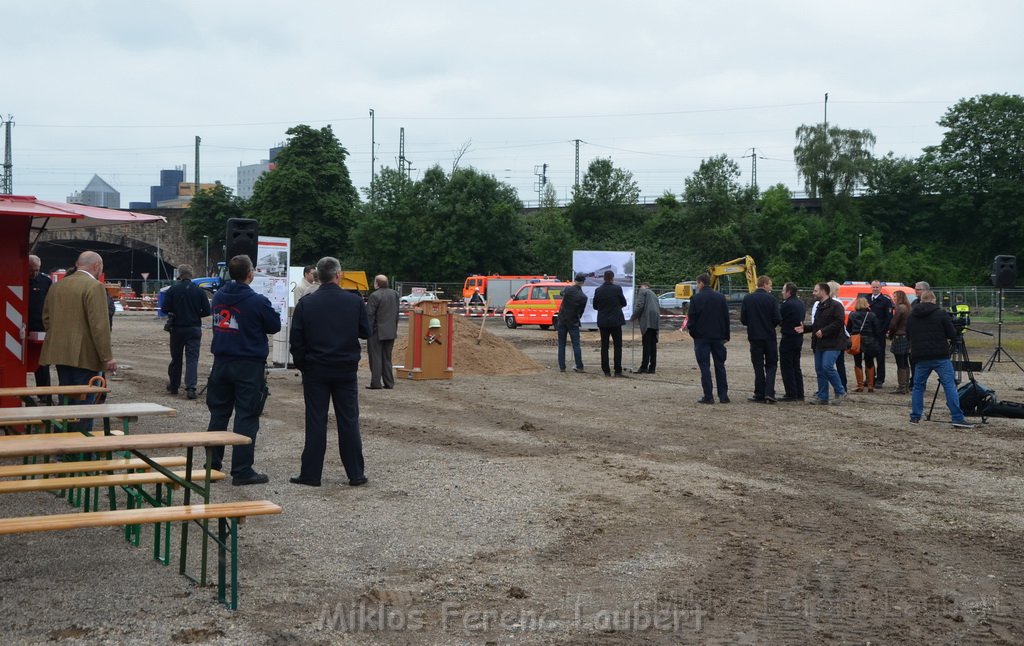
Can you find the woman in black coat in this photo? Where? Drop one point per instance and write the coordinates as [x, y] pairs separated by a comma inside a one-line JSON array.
[[865, 324]]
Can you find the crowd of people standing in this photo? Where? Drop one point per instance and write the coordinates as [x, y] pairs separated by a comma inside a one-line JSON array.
[[328, 324]]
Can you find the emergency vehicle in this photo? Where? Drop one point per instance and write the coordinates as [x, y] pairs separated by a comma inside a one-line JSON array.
[[535, 304], [850, 290]]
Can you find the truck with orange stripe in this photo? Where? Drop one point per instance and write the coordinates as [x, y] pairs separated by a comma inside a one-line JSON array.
[[535, 304]]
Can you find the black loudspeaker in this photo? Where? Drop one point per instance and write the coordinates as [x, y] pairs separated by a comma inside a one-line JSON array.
[[1004, 272], [241, 238]]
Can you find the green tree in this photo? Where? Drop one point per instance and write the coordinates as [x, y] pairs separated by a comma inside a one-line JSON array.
[[604, 204], [716, 209], [309, 196], [832, 161], [386, 231], [980, 171], [549, 242], [206, 218]]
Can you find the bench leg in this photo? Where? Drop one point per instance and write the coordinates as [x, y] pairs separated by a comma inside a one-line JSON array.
[[223, 532]]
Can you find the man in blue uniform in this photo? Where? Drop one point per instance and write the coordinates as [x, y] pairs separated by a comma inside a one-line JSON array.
[[242, 319]]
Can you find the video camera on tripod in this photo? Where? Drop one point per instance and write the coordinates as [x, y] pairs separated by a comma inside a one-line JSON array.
[[961, 317]]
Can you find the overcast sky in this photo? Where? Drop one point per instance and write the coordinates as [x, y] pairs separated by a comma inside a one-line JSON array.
[[122, 88]]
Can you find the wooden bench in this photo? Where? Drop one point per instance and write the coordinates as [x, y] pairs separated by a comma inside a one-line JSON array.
[[25, 426], [85, 466], [97, 481], [64, 393], [60, 434], [51, 444], [127, 413], [227, 515]]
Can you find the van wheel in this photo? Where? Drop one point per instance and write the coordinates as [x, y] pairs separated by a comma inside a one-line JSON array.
[[544, 327], [510, 321]]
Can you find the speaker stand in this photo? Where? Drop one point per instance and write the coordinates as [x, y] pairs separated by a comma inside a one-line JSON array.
[[999, 350]]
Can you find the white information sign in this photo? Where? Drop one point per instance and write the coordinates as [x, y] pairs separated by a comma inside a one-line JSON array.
[[593, 264], [271, 280]]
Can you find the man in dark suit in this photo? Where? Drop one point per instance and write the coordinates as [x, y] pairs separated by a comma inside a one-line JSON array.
[[882, 307], [187, 305], [326, 328], [382, 310], [608, 303], [574, 301], [791, 344], [760, 314], [708, 323], [38, 285]]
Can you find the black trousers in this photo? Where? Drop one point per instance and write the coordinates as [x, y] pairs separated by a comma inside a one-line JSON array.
[[319, 389], [764, 356], [184, 340], [649, 357], [615, 334], [880, 362], [790, 348], [236, 387]]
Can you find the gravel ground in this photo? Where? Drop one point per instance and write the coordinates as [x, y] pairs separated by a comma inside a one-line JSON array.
[[563, 508]]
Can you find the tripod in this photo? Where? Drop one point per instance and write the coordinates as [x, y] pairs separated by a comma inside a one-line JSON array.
[[999, 341], [960, 359]]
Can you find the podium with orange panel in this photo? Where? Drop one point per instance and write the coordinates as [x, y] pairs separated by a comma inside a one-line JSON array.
[[431, 337]]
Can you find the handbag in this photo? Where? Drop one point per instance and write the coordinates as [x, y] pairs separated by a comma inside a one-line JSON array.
[[855, 338]]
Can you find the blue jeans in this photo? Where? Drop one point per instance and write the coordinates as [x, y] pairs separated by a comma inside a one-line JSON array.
[[705, 350], [825, 369], [944, 369], [574, 334]]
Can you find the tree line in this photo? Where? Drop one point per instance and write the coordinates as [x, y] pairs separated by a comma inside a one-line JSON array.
[[941, 216]]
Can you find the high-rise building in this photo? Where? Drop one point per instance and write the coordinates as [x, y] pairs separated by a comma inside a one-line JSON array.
[[97, 193], [249, 173]]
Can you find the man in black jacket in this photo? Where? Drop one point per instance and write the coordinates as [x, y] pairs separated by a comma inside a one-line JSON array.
[[187, 305], [760, 314], [326, 327], [707, 322], [574, 301], [608, 302], [38, 285], [791, 344], [882, 307], [828, 340], [930, 331]]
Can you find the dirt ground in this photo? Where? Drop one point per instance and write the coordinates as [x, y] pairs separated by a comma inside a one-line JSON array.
[[518, 504]]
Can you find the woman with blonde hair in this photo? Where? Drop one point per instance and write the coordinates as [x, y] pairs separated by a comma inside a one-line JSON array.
[[900, 345], [864, 323]]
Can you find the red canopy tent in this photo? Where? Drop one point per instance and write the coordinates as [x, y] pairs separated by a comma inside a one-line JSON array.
[[20, 216]]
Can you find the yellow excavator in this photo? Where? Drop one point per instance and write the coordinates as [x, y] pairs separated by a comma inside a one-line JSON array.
[[744, 265]]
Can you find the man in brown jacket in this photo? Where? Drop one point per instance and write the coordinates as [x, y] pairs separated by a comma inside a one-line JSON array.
[[77, 327]]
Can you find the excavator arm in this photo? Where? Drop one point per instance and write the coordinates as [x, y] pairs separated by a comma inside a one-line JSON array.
[[744, 265]]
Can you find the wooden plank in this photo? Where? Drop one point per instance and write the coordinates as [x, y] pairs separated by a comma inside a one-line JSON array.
[[7, 438], [83, 411], [57, 468], [43, 391], [42, 444], [143, 516], [109, 480]]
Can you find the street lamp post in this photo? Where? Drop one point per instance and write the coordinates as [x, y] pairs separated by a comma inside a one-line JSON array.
[[860, 238], [206, 270]]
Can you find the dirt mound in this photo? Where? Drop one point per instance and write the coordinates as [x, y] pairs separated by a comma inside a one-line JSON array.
[[492, 356]]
